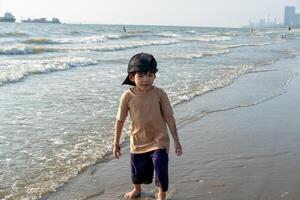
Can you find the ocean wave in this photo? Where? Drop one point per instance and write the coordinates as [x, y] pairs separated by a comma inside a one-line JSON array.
[[98, 38], [116, 47], [75, 33], [218, 79], [231, 46], [13, 34], [128, 35], [75, 40], [14, 71], [107, 37], [113, 61], [41, 41], [191, 32], [200, 54], [208, 38], [23, 49], [231, 34], [28, 49], [138, 31], [136, 44], [94, 39], [168, 35]]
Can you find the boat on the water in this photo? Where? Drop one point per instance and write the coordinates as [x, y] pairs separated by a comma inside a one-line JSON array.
[[8, 17], [42, 20]]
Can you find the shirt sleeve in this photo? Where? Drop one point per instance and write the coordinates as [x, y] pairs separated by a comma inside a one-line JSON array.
[[123, 108], [165, 104]]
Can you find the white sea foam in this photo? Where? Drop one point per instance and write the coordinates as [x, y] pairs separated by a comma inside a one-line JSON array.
[[90, 39], [231, 34], [200, 54], [219, 79], [168, 34], [115, 47], [2, 139], [23, 49], [28, 49], [208, 38], [99, 38], [231, 46], [191, 32], [130, 45], [73, 40], [13, 71]]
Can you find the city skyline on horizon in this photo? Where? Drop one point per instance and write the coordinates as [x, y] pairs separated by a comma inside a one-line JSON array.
[[162, 13]]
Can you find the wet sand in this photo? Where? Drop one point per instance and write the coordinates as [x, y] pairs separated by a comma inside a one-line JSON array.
[[245, 147]]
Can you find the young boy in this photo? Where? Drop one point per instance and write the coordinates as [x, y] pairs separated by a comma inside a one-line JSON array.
[[150, 112]]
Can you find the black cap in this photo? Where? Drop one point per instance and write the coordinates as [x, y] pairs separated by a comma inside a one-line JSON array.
[[141, 62]]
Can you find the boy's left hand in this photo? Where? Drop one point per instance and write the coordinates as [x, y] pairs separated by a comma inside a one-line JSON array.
[[178, 149], [117, 151]]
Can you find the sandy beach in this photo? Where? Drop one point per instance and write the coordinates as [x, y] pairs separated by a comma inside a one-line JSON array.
[[248, 149]]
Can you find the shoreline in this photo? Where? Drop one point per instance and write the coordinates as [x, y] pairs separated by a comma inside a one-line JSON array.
[[248, 151]]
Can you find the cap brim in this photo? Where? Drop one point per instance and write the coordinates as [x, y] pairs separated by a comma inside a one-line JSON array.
[[128, 81]]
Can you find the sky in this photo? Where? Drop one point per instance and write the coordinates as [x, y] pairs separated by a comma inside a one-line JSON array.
[[204, 13]]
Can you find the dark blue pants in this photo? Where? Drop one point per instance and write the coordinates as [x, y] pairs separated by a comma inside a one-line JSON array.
[[144, 165]]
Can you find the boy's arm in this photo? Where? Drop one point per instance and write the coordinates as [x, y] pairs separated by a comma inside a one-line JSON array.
[[116, 145], [172, 126]]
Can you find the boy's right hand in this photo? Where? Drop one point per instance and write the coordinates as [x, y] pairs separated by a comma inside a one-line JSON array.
[[117, 151], [178, 148]]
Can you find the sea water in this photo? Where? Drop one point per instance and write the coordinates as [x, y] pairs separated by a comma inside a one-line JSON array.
[[60, 86]]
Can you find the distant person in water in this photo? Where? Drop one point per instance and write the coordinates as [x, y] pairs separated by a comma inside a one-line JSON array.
[[150, 113], [290, 28], [124, 28]]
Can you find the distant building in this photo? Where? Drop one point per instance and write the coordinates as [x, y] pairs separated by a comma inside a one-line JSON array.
[[289, 13], [263, 23], [291, 18], [297, 20]]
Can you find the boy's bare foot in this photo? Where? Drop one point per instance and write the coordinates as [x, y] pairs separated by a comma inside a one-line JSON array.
[[161, 196], [132, 194]]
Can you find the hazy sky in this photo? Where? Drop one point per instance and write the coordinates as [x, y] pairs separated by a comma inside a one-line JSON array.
[[227, 13]]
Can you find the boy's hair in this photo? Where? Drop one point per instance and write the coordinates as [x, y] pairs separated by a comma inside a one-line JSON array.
[[141, 62]]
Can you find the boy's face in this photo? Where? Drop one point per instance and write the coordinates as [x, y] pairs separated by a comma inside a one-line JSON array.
[[143, 80]]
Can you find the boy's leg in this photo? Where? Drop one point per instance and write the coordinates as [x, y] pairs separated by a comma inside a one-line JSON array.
[[141, 168], [141, 173], [135, 192], [161, 195], [160, 161]]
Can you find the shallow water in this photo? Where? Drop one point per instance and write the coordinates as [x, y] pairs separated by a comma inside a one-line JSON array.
[[60, 87]]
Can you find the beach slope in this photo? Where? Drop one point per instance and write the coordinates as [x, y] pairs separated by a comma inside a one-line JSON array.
[[245, 147]]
